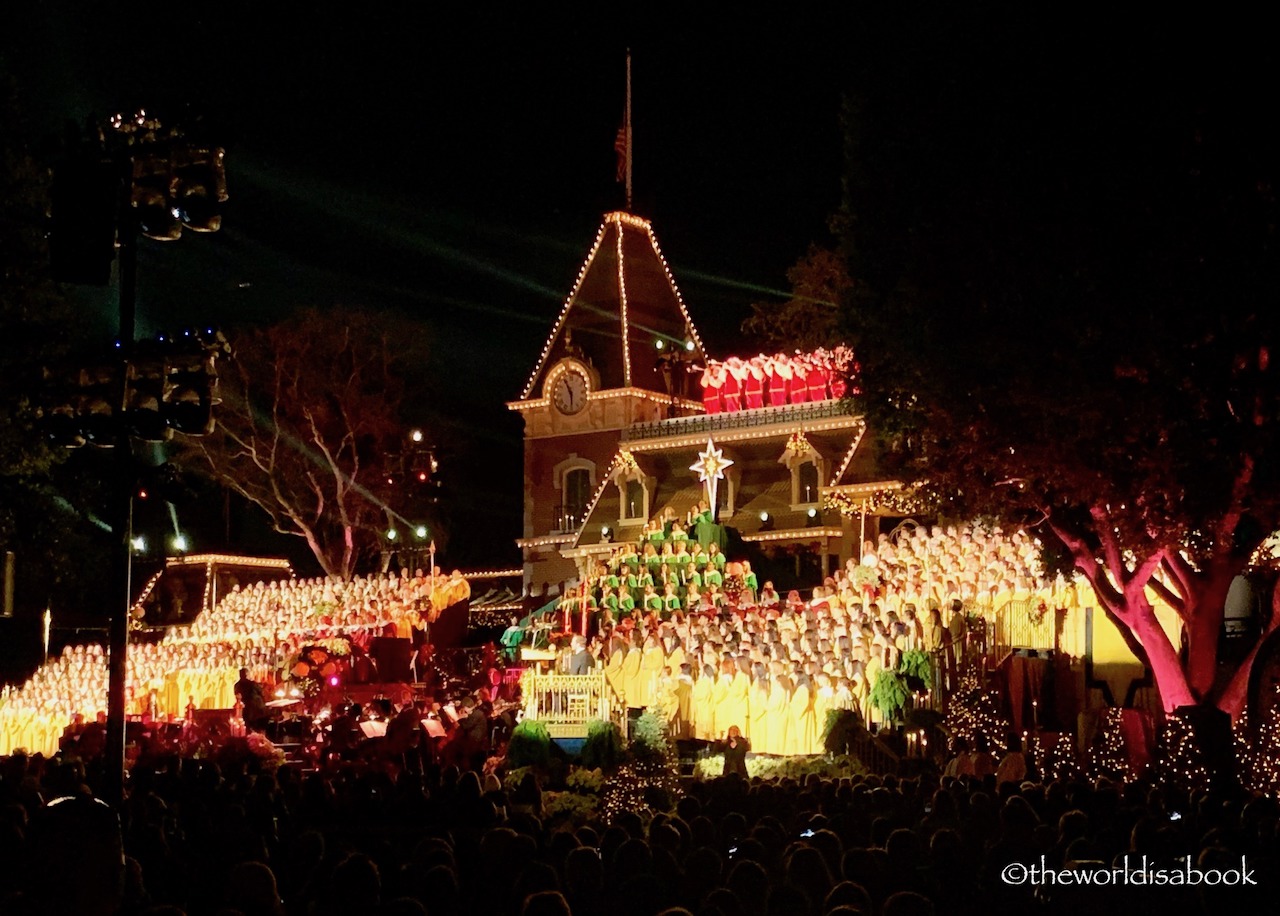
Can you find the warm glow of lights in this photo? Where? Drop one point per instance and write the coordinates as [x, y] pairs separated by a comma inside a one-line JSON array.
[[711, 465], [229, 560], [622, 296], [794, 534], [494, 573], [564, 311], [782, 428]]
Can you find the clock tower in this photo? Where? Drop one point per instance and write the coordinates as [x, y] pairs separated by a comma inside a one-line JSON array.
[[618, 355]]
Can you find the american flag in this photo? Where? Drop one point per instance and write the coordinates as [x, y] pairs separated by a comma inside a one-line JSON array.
[[620, 148]]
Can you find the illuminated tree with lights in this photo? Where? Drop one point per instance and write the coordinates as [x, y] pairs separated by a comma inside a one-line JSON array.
[[650, 779], [1258, 751], [1180, 763], [1073, 330], [309, 423], [974, 712], [1059, 761], [1108, 758]]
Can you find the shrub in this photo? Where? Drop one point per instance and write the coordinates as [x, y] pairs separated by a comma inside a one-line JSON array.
[[603, 748], [649, 738], [530, 745]]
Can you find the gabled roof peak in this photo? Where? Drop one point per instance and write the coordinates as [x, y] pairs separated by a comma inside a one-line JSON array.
[[623, 301]]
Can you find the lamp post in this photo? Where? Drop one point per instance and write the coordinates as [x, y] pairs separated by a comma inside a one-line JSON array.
[[164, 182]]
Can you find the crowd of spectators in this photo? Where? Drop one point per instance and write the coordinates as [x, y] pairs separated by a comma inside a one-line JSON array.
[[200, 839]]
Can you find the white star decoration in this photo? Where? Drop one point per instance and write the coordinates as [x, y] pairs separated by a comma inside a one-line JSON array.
[[711, 466]]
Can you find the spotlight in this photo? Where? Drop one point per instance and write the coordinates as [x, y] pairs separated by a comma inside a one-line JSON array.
[[392, 534], [416, 435], [180, 543], [813, 513], [660, 344], [420, 532], [688, 345], [764, 516], [333, 681], [138, 543]]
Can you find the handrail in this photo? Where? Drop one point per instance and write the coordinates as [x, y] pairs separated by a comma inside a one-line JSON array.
[[759, 416]]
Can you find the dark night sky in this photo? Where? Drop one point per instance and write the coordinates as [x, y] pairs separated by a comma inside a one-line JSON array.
[[454, 166]]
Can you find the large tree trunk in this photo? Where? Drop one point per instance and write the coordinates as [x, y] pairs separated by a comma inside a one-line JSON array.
[[1171, 680]]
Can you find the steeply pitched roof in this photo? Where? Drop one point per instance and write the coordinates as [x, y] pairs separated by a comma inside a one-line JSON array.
[[623, 301]]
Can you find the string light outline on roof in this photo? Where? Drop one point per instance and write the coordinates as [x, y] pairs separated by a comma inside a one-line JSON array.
[[591, 507], [671, 280], [608, 393], [564, 311], [229, 560], [848, 456], [622, 295], [494, 573], [795, 534], [545, 541]]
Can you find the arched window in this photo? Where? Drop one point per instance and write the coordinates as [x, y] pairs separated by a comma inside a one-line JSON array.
[[575, 497], [633, 500], [807, 483]]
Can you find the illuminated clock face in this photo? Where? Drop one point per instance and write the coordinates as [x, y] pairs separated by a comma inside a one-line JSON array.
[[569, 393]]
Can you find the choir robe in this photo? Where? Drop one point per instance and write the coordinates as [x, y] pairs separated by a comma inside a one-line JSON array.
[[719, 692], [613, 671], [675, 660], [631, 678], [761, 739], [700, 708], [823, 700], [800, 720], [779, 719], [735, 707], [651, 664], [753, 393], [682, 727]]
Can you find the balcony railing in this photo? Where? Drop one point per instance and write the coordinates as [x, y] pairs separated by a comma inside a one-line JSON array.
[[742, 419], [565, 703]]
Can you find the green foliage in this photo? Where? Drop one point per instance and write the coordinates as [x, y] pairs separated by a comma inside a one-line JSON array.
[[573, 807], [917, 663], [530, 745], [840, 729], [811, 317], [1109, 371], [603, 748], [889, 693], [586, 781], [649, 737], [785, 767]]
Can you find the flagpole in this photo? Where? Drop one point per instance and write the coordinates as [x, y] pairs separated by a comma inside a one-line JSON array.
[[628, 118]]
